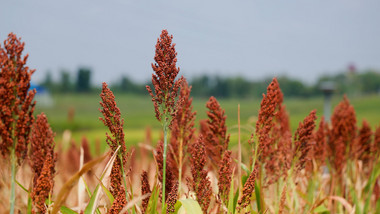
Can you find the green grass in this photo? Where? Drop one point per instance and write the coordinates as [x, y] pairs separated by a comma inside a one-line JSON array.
[[138, 113]]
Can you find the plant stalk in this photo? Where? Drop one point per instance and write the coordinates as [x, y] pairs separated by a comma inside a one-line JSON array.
[[180, 165], [13, 178], [123, 173], [164, 164]]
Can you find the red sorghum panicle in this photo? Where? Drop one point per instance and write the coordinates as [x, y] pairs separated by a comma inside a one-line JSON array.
[[376, 142], [280, 157], [283, 200], [320, 147], [42, 144], [203, 127], [342, 133], [361, 147], [172, 199], [73, 158], [339, 159], [303, 139], [248, 189], [119, 202], [164, 79], [216, 138], [282, 118], [16, 103], [273, 134], [225, 177], [43, 186], [343, 122], [269, 104], [145, 189], [182, 128], [201, 184], [112, 119], [42, 162], [86, 150]]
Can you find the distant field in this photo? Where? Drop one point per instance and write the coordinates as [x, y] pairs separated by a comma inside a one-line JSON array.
[[138, 114]]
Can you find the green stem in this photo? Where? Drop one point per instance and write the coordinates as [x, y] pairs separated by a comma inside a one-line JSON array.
[[180, 165], [164, 164], [13, 178], [124, 176]]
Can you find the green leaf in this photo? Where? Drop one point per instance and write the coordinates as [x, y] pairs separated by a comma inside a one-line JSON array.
[[108, 193], [377, 207], [321, 209], [355, 200], [87, 189], [29, 209], [368, 189], [66, 210], [153, 200], [236, 198], [231, 208], [177, 206], [90, 206], [244, 167], [244, 179], [259, 200], [310, 192], [22, 187], [189, 206]]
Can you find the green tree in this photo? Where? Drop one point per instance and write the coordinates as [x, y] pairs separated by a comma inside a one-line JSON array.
[[48, 81], [83, 80], [65, 82], [370, 82]]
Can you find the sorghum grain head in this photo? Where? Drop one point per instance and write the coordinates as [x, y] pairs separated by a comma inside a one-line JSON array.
[[145, 189], [16, 102], [216, 138], [164, 79], [303, 139]]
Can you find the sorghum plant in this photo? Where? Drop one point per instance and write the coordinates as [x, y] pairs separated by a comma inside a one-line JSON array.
[[170, 171], [303, 139], [182, 128], [225, 177], [282, 155], [361, 148], [342, 133], [248, 189], [269, 105], [165, 90], [201, 184], [16, 105], [42, 161], [172, 199], [274, 151], [112, 119], [145, 189], [216, 138], [320, 147]]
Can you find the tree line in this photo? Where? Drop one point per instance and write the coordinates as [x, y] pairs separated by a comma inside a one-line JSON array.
[[348, 82]]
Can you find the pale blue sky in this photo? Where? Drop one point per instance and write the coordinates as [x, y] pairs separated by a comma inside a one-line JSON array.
[[255, 39]]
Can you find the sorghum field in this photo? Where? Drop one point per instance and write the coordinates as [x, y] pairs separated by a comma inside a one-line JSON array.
[[270, 156]]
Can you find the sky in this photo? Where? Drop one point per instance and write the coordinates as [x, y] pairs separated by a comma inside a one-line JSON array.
[[250, 38]]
